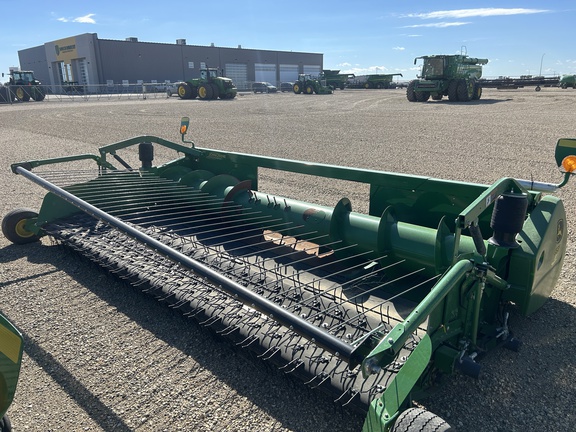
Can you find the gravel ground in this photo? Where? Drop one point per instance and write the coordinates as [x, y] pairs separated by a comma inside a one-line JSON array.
[[101, 356]]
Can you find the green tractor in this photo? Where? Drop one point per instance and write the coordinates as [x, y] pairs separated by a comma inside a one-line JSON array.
[[209, 86], [22, 87], [309, 85], [456, 76], [380, 81]]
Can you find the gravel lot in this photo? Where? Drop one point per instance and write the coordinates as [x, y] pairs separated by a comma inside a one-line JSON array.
[[100, 356]]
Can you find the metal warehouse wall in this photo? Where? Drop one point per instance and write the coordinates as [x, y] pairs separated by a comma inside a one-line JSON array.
[[107, 60]]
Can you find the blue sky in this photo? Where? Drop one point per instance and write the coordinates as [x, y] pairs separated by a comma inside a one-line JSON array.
[[518, 37]]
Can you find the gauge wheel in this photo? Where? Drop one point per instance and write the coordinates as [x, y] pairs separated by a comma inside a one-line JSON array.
[[420, 420], [14, 226]]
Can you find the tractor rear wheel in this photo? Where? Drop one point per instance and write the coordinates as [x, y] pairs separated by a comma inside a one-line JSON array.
[[215, 91], [410, 93], [205, 92], [13, 226], [420, 420], [185, 91]]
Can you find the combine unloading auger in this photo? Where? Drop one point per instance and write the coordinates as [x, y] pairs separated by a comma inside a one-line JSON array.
[[365, 306]]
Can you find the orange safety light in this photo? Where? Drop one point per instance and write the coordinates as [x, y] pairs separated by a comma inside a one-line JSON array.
[[569, 163]]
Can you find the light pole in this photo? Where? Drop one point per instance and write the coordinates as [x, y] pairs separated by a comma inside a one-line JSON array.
[[541, 60]]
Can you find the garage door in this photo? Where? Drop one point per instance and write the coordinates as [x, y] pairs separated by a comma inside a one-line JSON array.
[[265, 72], [238, 73], [288, 73], [313, 70]]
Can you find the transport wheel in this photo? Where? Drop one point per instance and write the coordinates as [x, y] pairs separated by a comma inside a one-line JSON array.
[[420, 420], [410, 93], [5, 425], [453, 91], [184, 91], [13, 226]]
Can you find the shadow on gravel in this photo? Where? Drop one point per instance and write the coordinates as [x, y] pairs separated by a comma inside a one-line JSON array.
[[290, 402]]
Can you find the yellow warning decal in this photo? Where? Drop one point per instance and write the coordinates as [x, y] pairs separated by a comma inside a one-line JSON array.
[[10, 344], [567, 142]]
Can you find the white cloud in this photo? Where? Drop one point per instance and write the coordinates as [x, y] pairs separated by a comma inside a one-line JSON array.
[[480, 12], [399, 48], [439, 25], [86, 19]]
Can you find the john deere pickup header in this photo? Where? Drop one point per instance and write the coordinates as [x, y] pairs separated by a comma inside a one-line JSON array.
[[368, 307]]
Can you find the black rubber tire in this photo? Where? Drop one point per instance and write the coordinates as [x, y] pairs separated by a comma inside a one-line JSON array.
[[21, 94], [185, 91], [38, 94], [13, 226], [215, 91], [5, 424], [410, 93], [422, 96], [463, 94], [420, 420], [437, 97], [205, 92], [297, 88], [453, 91], [309, 89], [477, 92]]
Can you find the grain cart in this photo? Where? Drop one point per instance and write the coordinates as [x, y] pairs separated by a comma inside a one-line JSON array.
[[379, 81], [335, 79], [455, 76], [209, 86], [367, 307], [22, 86], [568, 81], [309, 85]]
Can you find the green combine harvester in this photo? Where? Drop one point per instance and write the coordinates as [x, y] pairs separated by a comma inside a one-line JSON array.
[[456, 76], [367, 307]]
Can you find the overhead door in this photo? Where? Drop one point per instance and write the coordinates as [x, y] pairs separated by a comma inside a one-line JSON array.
[[265, 72], [288, 73], [238, 73]]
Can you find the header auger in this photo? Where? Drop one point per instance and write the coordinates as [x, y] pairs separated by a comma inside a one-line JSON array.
[[364, 306]]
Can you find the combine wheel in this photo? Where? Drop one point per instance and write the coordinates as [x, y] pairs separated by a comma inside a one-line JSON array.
[[205, 92], [537, 88], [309, 89], [422, 96], [410, 93], [185, 91], [465, 91], [453, 91], [477, 92], [420, 420], [13, 226]]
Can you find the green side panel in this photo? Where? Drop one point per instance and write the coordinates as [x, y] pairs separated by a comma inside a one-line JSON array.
[[11, 348], [54, 208], [383, 411], [535, 266]]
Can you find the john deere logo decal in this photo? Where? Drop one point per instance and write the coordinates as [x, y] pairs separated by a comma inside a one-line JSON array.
[[64, 49]]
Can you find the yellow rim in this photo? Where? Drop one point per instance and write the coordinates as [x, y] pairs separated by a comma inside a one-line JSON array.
[[181, 91], [19, 93], [202, 92], [21, 231]]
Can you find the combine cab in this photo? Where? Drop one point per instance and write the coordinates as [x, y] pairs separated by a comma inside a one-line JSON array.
[[209, 86], [455, 76], [368, 306], [308, 85]]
